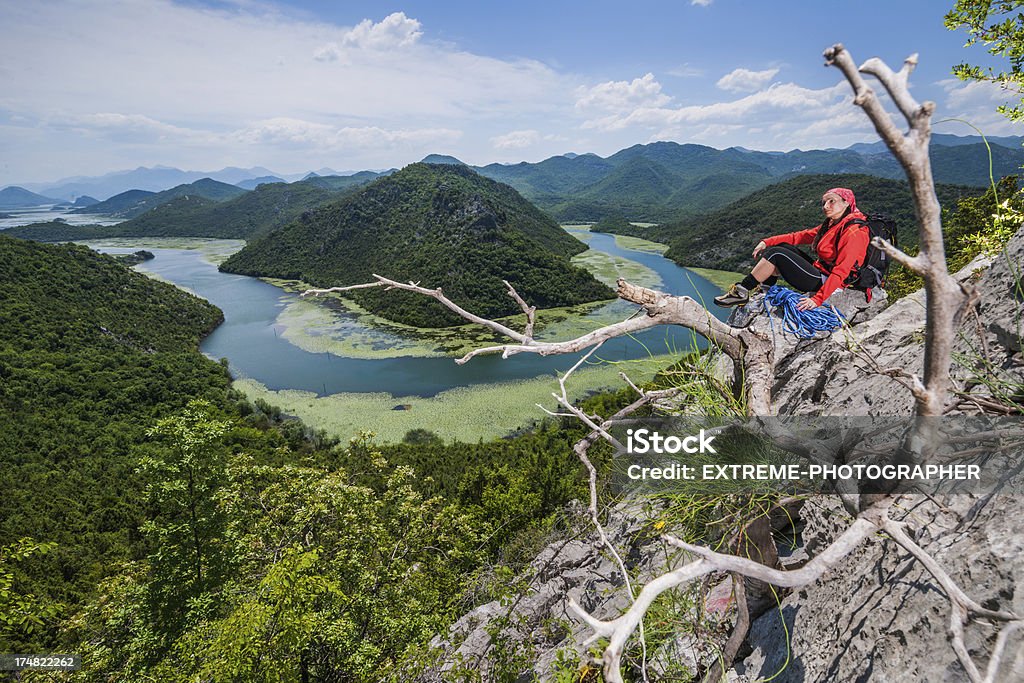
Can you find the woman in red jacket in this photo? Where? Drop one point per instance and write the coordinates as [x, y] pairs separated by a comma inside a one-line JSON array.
[[840, 243]]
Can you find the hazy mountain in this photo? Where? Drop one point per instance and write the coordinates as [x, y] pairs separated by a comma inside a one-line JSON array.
[[136, 202], [154, 179], [439, 224], [268, 207], [14, 197], [253, 183]]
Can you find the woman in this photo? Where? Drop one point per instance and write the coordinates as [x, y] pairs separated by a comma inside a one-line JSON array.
[[840, 243]]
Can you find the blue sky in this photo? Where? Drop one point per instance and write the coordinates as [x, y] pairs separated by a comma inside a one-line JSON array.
[[92, 86]]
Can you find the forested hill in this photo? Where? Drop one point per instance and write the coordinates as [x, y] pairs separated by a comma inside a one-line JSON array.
[[137, 202], [91, 354], [725, 238], [167, 539], [441, 225]]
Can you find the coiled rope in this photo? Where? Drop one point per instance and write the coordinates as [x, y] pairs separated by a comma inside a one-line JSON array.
[[803, 324]]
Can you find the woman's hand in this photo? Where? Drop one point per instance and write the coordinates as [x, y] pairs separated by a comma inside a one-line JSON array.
[[761, 246], [806, 304]]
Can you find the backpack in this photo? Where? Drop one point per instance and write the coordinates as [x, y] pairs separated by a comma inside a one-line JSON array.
[[872, 272]]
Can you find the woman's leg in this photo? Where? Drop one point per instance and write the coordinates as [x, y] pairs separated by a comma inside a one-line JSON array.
[[783, 259], [793, 265]]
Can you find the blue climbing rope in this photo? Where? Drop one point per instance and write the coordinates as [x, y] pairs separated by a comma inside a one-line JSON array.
[[803, 324]]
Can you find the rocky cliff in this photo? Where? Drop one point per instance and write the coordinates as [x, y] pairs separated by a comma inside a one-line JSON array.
[[879, 616]]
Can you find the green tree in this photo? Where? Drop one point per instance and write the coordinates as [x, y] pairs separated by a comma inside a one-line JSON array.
[[994, 24], [186, 526], [21, 613]]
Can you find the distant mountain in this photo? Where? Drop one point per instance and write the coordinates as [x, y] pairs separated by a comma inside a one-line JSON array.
[[442, 225], [945, 140], [15, 197], [441, 159], [264, 209], [85, 200], [253, 183], [341, 182], [154, 179], [665, 181], [136, 202], [119, 205]]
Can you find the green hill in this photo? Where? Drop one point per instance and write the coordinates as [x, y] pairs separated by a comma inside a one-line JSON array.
[[269, 206], [441, 225], [136, 202], [14, 197], [123, 204], [723, 239], [91, 354]]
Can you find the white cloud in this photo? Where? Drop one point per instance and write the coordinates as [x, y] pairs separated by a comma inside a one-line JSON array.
[[685, 70], [516, 139], [745, 80], [789, 97], [296, 132], [395, 30], [623, 96], [701, 3], [522, 139], [208, 74], [975, 102]]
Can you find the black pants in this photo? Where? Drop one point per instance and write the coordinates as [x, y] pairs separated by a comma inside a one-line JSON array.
[[795, 266]]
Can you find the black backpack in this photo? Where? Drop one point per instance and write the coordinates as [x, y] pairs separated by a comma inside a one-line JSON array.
[[872, 272]]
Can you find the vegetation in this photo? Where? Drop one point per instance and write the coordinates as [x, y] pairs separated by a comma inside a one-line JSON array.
[[993, 24], [977, 225], [439, 225], [724, 239], [611, 223], [165, 528], [91, 354]]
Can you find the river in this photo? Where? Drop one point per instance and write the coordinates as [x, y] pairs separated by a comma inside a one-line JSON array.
[[251, 339]]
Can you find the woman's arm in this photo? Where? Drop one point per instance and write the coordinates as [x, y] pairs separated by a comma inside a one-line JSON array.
[[853, 245], [799, 237]]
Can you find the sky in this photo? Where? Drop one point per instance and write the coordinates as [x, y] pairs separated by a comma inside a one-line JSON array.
[[93, 86]]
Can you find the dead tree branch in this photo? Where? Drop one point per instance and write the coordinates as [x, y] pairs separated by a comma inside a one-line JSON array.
[[752, 353], [947, 300]]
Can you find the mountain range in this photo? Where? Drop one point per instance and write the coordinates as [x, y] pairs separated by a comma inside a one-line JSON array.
[[136, 202], [545, 182]]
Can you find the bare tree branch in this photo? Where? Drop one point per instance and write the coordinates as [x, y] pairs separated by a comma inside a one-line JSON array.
[[530, 311], [432, 293], [946, 298], [913, 263]]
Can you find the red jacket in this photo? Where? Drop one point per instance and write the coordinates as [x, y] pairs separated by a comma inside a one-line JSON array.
[[853, 245]]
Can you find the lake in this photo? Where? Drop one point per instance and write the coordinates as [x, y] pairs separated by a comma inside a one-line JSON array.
[[250, 337]]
